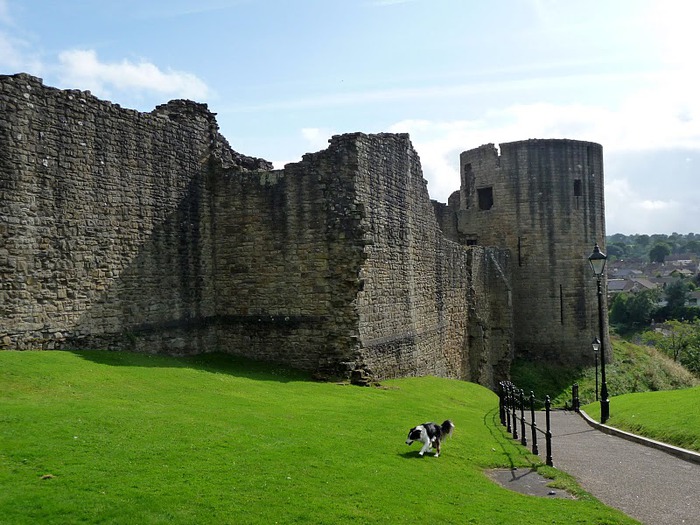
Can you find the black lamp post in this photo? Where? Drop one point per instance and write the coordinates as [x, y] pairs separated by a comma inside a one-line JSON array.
[[597, 260], [596, 349]]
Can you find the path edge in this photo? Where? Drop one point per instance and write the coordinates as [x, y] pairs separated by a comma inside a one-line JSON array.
[[687, 455]]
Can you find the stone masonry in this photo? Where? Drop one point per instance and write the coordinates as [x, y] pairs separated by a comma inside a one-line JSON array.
[[543, 201], [145, 231]]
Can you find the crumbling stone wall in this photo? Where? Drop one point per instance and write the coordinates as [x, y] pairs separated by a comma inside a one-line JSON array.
[[101, 207], [145, 231], [422, 293], [543, 200]]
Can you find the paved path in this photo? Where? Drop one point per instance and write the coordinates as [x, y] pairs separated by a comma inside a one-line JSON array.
[[647, 484]]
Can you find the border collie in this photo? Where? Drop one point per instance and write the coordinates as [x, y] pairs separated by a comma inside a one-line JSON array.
[[430, 434]]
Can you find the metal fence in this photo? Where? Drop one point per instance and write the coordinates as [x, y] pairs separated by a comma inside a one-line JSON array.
[[513, 413]]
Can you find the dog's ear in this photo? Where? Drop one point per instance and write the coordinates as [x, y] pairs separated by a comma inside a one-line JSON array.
[[414, 434]]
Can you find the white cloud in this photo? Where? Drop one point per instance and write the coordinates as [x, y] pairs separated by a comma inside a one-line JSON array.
[[316, 138], [83, 68], [16, 55], [628, 211], [656, 205]]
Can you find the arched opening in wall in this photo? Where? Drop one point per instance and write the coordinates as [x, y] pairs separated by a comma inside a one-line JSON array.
[[485, 196]]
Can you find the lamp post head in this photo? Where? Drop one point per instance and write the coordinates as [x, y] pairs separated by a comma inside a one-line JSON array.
[[596, 345], [597, 260]]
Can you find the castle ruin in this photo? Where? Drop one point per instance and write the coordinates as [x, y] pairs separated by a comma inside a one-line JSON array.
[[139, 231]]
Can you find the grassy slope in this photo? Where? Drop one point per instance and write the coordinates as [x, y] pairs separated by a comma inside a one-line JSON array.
[[140, 439], [668, 416], [649, 394], [634, 369]]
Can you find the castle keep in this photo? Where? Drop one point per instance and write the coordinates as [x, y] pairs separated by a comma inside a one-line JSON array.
[[147, 232]]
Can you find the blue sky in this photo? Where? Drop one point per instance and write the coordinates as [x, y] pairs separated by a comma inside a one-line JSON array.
[[284, 75]]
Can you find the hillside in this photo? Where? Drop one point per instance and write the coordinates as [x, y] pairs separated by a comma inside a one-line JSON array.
[[90, 437], [634, 368]]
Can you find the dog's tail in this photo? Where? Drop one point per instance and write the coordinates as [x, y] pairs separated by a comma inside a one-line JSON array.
[[447, 427]]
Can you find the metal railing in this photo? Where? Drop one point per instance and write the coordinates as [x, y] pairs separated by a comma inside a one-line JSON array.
[[513, 414]]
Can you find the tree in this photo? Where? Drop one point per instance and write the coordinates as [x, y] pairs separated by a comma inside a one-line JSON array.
[[643, 240], [693, 247], [680, 340], [659, 252], [676, 295], [616, 250], [618, 312], [634, 310], [642, 306]]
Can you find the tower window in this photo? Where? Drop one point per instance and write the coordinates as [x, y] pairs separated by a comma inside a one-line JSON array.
[[578, 190], [485, 198]]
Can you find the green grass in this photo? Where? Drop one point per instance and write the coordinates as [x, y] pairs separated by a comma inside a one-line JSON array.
[[634, 368], [97, 437], [670, 416]]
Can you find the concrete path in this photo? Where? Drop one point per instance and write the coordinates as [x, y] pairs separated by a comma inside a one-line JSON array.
[[648, 484]]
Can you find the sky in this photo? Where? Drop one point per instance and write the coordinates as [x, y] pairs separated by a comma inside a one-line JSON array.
[[283, 76]]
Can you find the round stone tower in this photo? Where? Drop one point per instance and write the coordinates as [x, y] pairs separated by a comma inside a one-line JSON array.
[[544, 201]]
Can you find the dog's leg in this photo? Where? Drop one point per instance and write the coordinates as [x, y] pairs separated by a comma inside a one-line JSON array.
[[425, 448], [437, 448]]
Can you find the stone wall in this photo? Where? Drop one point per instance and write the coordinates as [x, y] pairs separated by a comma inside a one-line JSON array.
[[146, 231], [102, 232], [543, 200], [423, 295]]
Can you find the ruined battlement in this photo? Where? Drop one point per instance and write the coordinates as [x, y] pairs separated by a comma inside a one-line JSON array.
[[148, 232]]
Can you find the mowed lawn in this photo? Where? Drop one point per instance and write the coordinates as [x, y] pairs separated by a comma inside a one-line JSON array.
[[671, 416], [98, 437]]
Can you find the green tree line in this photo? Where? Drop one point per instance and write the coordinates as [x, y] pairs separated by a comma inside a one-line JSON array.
[[651, 248]]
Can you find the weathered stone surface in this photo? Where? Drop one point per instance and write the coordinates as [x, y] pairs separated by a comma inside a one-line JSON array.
[[146, 231], [543, 200]]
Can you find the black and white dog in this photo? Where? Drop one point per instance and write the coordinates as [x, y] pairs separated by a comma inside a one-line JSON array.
[[431, 435]]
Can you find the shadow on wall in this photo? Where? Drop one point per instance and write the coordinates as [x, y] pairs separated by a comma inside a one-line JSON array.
[[212, 276]]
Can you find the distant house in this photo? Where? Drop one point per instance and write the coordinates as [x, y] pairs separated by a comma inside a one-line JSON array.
[[624, 273], [641, 284], [616, 286], [682, 258], [634, 285], [693, 298], [682, 272]]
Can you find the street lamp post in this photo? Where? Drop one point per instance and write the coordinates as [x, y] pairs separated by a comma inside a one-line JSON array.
[[598, 260], [596, 349]]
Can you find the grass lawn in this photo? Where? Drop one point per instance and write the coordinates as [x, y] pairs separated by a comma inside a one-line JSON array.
[[670, 416], [98, 437]]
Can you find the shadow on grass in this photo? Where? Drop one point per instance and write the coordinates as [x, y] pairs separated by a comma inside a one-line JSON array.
[[414, 454], [511, 449], [215, 363], [545, 379]]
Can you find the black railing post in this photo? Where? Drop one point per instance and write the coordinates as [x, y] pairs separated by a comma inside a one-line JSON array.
[[523, 435], [575, 402], [501, 403], [533, 425], [548, 433], [507, 407], [515, 417]]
